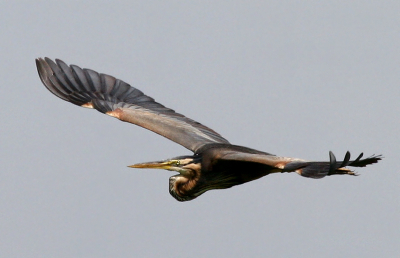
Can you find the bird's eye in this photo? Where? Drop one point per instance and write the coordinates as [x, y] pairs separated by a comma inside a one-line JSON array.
[[177, 162]]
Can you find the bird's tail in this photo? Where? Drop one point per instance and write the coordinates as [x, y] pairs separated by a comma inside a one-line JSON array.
[[318, 169]]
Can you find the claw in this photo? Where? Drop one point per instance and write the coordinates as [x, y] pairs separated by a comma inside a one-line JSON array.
[[346, 160], [332, 166], [358, 158]]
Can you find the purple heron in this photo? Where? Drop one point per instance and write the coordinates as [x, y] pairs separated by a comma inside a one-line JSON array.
[[215, 163]]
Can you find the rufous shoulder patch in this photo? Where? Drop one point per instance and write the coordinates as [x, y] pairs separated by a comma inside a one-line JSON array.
[[115, 113], [87, 105]]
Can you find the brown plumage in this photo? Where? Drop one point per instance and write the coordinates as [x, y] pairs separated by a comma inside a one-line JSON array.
[[215, 164]]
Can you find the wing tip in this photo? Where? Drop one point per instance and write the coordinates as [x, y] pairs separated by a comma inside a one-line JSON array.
[[42, 68]]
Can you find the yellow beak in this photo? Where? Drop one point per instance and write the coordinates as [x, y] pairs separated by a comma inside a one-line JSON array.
[[156, 164]]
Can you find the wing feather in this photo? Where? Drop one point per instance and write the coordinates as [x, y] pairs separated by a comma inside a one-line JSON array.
[[312, 169], [87, 88]]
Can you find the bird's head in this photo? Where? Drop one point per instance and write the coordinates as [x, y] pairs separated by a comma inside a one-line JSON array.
[[180, 185]]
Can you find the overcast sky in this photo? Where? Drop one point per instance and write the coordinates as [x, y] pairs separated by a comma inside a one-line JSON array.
[[294, 78]]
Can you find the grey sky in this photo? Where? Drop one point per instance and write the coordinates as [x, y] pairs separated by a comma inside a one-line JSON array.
[[287, 77]]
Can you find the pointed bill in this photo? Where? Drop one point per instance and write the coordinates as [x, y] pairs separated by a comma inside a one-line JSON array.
[[155, 164]]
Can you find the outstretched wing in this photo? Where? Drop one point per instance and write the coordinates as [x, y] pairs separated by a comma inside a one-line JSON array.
[[312, 169], [87, 88]]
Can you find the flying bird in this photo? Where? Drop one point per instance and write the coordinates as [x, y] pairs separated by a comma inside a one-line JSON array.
[[215, 163]]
